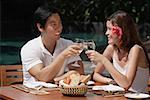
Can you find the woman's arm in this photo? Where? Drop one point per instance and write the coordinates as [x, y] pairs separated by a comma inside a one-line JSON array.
[[97, 74], [124, 81], [100, 67]]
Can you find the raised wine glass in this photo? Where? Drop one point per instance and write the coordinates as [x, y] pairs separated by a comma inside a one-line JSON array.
[[90, 45], [80, 43]]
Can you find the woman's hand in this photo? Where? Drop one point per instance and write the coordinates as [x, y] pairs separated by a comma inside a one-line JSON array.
[[72, 50], [94, 56]]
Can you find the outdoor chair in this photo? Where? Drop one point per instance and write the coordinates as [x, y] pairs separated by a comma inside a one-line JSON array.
[[10, 74]]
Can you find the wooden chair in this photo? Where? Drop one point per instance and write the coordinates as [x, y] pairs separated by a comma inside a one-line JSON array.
[[10, 74], [149, 85]]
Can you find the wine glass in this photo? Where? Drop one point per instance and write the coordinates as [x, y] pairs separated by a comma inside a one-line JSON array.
[[90, 45], [80, 43]]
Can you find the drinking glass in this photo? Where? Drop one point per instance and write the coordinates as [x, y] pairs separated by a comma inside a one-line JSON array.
[[90, 45], [80, 43]]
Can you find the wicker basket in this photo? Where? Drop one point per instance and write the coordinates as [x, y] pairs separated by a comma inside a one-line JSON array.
[[74, 91]]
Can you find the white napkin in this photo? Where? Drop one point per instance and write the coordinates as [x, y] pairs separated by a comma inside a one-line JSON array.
[[109, 87], [38, 84]]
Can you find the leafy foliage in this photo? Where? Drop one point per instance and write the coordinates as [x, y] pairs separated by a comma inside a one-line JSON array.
[[98, 10]]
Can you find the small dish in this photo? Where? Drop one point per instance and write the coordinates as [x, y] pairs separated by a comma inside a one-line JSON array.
[[90, 83], [137, 95]]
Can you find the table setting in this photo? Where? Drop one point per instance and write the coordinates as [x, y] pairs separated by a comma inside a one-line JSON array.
[[77, 85]]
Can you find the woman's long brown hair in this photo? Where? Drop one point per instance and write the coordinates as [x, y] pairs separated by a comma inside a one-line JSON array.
[[130, 33]]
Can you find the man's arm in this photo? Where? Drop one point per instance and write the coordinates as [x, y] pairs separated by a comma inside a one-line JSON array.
[[47, 73]]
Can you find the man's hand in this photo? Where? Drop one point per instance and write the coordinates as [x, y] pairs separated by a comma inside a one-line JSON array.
[[72, 50]]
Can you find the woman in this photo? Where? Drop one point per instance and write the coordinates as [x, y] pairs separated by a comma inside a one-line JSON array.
[[46, 57], [130, 63]]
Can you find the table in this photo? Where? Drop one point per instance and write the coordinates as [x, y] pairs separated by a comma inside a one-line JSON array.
[[10, 93]]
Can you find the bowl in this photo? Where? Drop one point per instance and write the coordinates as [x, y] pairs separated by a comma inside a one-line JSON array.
[[80, 90]]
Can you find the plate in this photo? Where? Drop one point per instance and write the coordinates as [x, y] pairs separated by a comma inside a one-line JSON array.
[[137, 95], [90, 83], [110, 87]]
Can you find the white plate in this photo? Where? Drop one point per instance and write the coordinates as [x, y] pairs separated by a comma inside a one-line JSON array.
[[90, 83], [137, 95], [90, 87]]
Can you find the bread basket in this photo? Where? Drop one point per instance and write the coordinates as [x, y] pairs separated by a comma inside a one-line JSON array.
[[80, 90], [76, 87]]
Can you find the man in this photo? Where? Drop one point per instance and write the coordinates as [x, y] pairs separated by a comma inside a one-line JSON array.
[[46, 57]]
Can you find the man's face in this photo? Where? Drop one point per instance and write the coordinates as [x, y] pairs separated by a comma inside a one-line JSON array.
[[53, 26]]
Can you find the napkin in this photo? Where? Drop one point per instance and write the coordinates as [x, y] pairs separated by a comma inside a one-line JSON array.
[[109, 87], [40, 84]]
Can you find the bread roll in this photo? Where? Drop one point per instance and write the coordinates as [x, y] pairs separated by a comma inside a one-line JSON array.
[[75, 79], [67, 80]]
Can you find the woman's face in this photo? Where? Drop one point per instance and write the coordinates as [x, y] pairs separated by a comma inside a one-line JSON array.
[[112, 38], [53, 26]]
